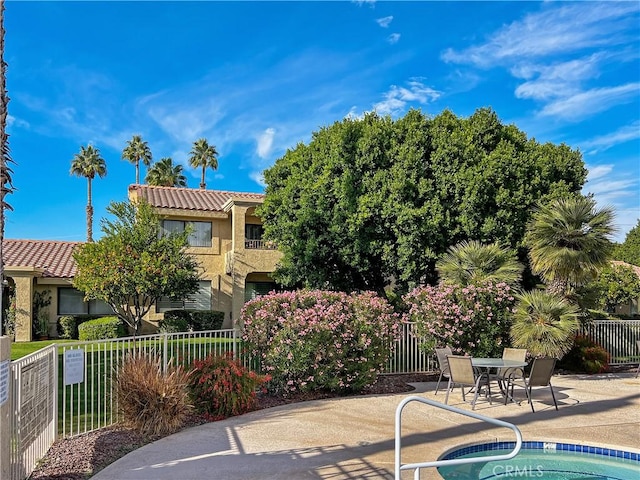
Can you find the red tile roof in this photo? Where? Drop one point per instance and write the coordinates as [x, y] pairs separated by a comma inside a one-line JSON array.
[[189, 198], [53, 257]]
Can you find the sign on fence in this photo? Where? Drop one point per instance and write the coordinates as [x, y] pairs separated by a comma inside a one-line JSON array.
[[73, 366]]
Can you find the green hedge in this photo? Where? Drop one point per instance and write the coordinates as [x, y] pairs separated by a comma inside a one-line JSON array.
[[67, 325], [102, 328], [191, 320]]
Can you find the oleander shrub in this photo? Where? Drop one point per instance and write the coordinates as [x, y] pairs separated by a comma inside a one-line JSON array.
[[221, 387], [101, 328], [151, 401], [585, 356], [319, 340], [473, 319]]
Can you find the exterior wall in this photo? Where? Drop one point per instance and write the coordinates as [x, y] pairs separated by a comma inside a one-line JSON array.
[[226, 264]]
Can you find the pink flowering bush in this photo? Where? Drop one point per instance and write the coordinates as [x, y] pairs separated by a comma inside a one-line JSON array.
[[319, 340], [473, 319]]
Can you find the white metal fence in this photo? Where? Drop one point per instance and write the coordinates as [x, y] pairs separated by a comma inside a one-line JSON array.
[[34, 400], [617, 337], [46, 406]]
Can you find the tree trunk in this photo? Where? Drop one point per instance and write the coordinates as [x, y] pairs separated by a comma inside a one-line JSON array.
[[4, 151], [137, 172], [202, 184], [89, 213]]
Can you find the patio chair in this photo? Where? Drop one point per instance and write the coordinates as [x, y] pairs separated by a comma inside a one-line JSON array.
[[505, 374], [443, 364], [540, 376], [462, 373], [638, 370]]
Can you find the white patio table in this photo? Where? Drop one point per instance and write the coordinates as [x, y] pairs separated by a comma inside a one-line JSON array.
[[490, 363]]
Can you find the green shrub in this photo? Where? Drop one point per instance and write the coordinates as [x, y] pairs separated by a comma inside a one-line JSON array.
[[151, 401], [319, 340], [101, 328], [67, 325], [585, 356], [191, 320], [174, 322], [206, 320], [221, 387]]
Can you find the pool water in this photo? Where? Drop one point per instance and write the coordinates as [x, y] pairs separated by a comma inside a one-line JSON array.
[[544, 461]]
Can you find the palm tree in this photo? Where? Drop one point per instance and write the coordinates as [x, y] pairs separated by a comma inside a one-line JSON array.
[[544, 324], [137, 150], [203, 155], [6, 184], [165, 174], [473, 262], [568, 242], [88, 163]]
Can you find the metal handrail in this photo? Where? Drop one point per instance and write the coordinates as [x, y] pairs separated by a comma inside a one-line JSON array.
[[456, 461]]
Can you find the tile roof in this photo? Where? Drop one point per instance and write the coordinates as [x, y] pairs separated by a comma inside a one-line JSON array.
[[53, 257], [189, 198]]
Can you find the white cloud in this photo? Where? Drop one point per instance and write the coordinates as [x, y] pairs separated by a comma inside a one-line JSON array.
[[622, 135], [265, 143], [590, 102], [360, 3], [555, 80], [384, 21], [17, 122], [617, 190], [553, 30], [393, 38], [397, 98]]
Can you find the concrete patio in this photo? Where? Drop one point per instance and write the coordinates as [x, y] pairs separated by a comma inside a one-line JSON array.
[[353, 438]]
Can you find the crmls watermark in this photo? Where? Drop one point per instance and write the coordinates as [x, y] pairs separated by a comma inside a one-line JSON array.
[[526, 471]]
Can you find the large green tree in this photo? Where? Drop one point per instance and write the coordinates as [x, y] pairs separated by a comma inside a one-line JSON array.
[[136, 151], [373, 201], [203, 156], [629, 250], [569, 242], [617, 284], [165, 174], [88, 163], [134, 264]]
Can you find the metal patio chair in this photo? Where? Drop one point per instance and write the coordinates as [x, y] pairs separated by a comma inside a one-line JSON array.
[[462, 373], [443, 364], [540, 376]]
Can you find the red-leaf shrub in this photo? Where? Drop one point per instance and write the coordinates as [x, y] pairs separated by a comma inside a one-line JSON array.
[[221, 387]]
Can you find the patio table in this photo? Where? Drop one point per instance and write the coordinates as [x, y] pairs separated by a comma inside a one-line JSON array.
[[490, 363]]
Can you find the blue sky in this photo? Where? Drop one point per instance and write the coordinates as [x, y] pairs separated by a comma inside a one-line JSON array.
[[256, 78]]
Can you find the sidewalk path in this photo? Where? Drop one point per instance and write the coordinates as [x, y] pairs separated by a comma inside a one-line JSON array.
[[353, 438]]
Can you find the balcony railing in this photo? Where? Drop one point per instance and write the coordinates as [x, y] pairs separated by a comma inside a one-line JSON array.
[[259, 245]]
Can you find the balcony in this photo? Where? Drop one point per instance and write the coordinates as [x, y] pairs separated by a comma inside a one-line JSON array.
[[258, 245]]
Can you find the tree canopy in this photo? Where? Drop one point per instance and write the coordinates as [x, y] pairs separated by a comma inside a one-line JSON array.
[[629, 250], [134, 264], [374, 201]]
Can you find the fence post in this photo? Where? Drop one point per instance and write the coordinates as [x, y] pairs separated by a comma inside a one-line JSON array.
[[5, 408], [165, 352]]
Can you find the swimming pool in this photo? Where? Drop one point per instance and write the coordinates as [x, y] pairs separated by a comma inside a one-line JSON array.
[[544, 461]]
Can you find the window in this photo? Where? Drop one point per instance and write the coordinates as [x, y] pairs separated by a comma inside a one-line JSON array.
[[200, 235], [253, 232], [201, 300], [255, 289], [71, 302], [253, 236]]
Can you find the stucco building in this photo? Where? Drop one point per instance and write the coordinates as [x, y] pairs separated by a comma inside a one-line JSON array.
[[226, 240]]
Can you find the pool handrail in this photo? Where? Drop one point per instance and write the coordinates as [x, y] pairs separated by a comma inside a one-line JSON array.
[[455, 461]]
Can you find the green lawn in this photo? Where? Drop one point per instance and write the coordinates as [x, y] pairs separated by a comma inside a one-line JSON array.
[[21, 349]]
